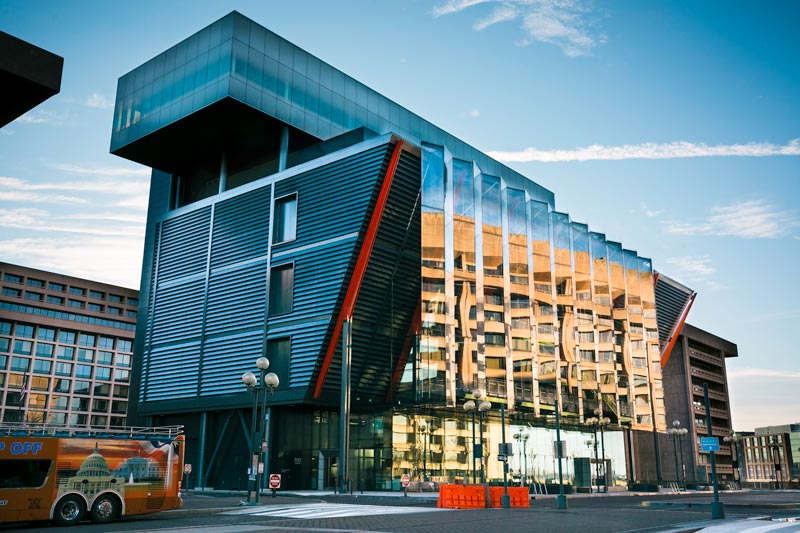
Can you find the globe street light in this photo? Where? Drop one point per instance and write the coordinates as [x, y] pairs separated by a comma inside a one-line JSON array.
[[677, 433], [259, 387]]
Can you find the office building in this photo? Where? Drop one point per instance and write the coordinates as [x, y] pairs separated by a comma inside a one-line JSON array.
[[698, 358], [65, 348], [772, 455], [296, 213]]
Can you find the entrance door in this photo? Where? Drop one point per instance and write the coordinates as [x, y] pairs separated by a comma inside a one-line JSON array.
[[328, 469]]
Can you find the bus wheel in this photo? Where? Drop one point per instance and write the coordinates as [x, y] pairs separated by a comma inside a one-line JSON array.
[[69, 511], [105, 509]]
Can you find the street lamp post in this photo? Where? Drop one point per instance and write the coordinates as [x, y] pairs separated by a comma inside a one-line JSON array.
[[598, 423], [258, 387], [469, 406], [477, 449], [677, 433], [424, 431], [733, 439], [522, 439], [775, 447]]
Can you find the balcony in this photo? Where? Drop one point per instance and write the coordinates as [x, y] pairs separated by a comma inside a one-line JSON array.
[[705, 374], [717, 395], [716, 361]]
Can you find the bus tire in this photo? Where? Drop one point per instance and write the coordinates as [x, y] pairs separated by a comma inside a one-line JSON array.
[[105, 508], [69, 510]]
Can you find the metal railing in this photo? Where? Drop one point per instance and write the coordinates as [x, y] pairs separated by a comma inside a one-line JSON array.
[[24, 429]]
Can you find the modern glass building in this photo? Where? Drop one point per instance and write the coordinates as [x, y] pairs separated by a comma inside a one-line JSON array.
[[298, 214], [66, 348]]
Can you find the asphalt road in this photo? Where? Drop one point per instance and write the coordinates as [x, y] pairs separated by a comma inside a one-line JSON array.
[[219, 513]]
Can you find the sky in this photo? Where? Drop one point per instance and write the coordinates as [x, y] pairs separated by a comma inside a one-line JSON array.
[[673, 127]]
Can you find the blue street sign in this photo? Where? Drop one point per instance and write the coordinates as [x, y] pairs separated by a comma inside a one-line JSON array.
[[709, 444]]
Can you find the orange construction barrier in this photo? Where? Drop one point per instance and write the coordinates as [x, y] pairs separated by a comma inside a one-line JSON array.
[[462, 497], [518, 496]]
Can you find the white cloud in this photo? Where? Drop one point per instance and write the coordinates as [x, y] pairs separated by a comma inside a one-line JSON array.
[[102, 171], [673, 150], [42, 116], [562, 23], [753, 219], [474, 113], [116, 260], [650, 213], [99, 101], [762, 373], [38, 220], [16, 188], [692, 267]]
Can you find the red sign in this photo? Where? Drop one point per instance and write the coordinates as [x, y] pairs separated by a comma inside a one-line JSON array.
[[274, 481], [405, 480]]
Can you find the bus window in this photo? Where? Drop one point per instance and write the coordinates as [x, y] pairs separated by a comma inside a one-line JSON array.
[[24, 473]]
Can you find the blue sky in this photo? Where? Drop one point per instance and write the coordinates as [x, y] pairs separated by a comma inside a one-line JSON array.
[[673, 127]]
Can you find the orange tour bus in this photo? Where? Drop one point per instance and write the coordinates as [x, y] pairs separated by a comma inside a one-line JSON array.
[[68, 474]]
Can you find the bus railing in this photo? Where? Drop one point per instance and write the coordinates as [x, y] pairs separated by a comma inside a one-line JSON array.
[[21, 429]]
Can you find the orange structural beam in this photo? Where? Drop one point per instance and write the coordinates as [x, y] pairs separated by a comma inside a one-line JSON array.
[[676, 332], [364, 254]]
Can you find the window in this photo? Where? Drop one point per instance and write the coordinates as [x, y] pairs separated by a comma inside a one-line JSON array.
[[8, 291], [3, 361], [124, 345], [20, 364], [44, 350], [56, 287], [58, 402], [493, 316], [66, 337], [123, 376], [86, 340], [64, 369], [94, 307], [114, 310], [5, 327], [25, 331], [83, 371], [97, 295], [61, 385], [495, 339], [119, 407], [102, 389], [133, 301], [65, 352], [121, 391], [281, 289], [24, 473], [23, 347], [101, 405], [123, 360], [77, 291], [79, 404], [85, 356], [12, 278], [114, 298], [35, 283], [106, 343], [519, 343], [130, 314], [105, 358], [46, 334], [41, 366], [102, 372], [285, 219], [35, 296], [75, 303]]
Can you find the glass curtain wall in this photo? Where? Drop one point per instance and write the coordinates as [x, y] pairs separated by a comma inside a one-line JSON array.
[[527, 306]]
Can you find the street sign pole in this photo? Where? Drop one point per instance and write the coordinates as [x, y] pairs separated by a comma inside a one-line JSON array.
[[562, 499], [717, 507]]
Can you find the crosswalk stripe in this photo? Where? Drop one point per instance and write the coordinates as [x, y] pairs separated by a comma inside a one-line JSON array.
[[321, 510]]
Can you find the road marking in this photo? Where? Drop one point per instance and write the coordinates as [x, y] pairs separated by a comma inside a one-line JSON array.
[[311, 511]]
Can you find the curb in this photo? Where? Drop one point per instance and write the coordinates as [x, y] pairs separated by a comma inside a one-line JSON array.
[[689, 505]]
